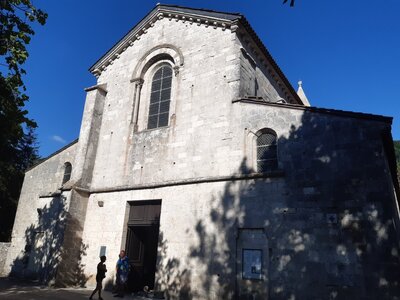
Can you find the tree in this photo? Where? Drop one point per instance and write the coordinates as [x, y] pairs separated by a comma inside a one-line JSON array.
[[17, 138], [397, 152]]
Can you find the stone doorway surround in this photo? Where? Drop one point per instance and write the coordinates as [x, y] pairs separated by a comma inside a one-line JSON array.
[[142, 241]]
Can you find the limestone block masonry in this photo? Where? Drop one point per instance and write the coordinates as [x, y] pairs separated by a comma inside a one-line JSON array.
[[3, 255], [247, 193], [39, 223]]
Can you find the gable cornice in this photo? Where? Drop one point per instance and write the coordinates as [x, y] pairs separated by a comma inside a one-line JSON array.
[[226, 21], [158, 13], [261, 53]]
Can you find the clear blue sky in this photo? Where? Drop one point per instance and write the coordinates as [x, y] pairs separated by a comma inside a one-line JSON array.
[[346, 52]]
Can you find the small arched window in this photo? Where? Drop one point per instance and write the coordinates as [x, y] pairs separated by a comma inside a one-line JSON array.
[[160, 97], [267, 156], [67, 172]]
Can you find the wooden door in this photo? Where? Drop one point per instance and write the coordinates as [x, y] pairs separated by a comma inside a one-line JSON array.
[[142, 241]]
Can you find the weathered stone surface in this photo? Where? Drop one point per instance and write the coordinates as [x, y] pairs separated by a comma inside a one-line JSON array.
[[39, 222], [3, 256], [328, 213]]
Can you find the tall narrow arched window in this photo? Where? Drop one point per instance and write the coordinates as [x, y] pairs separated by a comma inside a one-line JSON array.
[[67, 172], [160, 97], [267, 156]]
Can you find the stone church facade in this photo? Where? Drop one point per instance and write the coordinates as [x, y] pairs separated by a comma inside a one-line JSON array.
[[198, 157]]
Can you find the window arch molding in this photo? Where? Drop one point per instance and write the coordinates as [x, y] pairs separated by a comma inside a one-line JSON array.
[[155, 54], [142, 77], [263, 150], [145, 98]]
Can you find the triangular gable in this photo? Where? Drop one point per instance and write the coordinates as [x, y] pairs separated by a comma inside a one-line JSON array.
[[200, 16], [226, 21]]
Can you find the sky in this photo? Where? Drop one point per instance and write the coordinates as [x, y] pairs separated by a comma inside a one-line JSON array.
[[346, 52]]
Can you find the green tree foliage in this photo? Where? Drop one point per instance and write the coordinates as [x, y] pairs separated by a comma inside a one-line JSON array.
[[17, 139], [397, 151]]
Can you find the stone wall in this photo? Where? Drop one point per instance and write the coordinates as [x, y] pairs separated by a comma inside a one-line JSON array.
[[39, 223], [338, 207], [327, 211], [255, 79], [199, 137], [197, 89], [3, 256]]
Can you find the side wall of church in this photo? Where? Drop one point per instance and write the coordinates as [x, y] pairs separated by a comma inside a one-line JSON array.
[[38, 228], [334, 230], [327, 214]]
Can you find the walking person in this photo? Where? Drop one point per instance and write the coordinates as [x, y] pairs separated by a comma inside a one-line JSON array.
[[122, 270], [101, 274]]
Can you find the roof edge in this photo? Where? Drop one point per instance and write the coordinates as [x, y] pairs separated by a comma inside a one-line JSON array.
[[246, 25], [205, 17], [184, 14], [337, 112], [51, 155]]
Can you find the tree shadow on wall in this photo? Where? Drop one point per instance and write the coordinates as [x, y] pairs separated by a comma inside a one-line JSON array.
[[170, 278], [43, 246], [328, 219]]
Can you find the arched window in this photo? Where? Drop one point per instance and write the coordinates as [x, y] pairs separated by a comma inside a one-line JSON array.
[[160, 97], [67, 172], [267, 158]]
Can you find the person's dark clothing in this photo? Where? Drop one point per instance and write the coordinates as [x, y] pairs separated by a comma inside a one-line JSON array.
[[101, 272]]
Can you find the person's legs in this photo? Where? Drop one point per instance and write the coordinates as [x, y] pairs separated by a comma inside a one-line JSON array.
[[94, 292], [100, 287], [97, 289], [122, 281], [119, 292], [120, 289]]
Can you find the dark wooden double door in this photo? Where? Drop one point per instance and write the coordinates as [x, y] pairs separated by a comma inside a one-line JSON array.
[[141, 243]]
